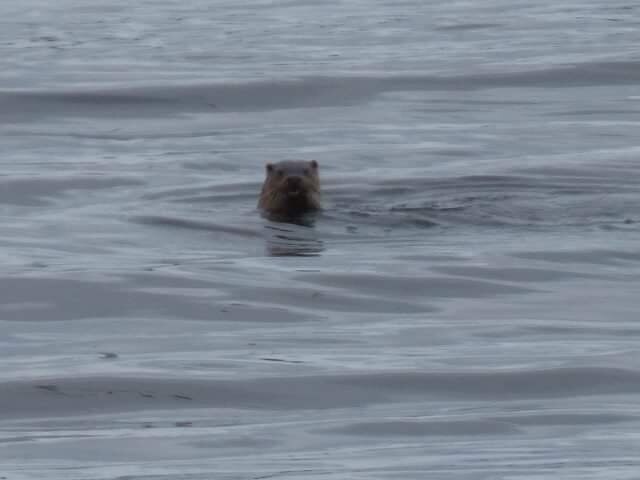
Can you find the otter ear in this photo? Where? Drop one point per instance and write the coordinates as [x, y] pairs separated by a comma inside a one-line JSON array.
[[314, 164], [269, 167]]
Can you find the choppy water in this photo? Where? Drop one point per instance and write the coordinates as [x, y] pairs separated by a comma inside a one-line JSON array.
[[465, 307]]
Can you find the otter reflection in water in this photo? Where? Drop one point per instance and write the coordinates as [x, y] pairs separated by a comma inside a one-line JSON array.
[[289, 198], [291, 239]]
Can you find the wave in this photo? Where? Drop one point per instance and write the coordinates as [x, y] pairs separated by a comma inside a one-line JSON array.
[[304, 92], [86, 395], [39, 191], [587, 196]]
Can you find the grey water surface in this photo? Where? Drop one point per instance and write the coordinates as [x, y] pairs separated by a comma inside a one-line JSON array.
[[464, 307]]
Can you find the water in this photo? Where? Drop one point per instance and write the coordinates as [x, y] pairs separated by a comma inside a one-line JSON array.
[[464, 307]]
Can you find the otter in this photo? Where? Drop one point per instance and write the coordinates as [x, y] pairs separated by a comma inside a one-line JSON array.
[[291, 188]]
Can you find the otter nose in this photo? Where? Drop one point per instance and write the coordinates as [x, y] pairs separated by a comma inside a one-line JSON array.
[[294, 183]]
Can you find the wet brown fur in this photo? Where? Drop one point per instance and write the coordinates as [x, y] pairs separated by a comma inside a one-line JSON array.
[[291, 187]]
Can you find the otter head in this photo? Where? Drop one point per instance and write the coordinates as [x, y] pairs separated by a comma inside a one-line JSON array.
[[292, 187]]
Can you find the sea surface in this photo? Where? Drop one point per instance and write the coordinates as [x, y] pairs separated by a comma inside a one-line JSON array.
[[466, 306]]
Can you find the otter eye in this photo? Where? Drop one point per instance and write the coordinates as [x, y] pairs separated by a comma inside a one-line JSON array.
[[280, 173], [306, 172]]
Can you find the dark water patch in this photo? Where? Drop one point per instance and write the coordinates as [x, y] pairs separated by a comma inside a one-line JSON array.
[[89, 395], [432, 258], [392, 286], [582, 330], [626, 225], [314, 300], [307, 92], [550, 383], [454, 152], [190, 224], [576, 75], [244, 311], [24, 106], [155, 101], [110, 394], [593, 257], [108, 355], [513, 274], [580, 182], [606, 170], [360, 216], [423, 428], [167, 280], [567, 419], [39, 191], [111, 135], [460, 27], [216, 167], [222, 198], [484, 102], [41, 437], [232, 442], [280, 360], [607, 113], [532, 200], [198, 191], [46, 242], [55, 299], [524, 214], [563, 76]]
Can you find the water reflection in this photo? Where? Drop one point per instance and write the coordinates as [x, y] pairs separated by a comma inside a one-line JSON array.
[[292, 236]]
